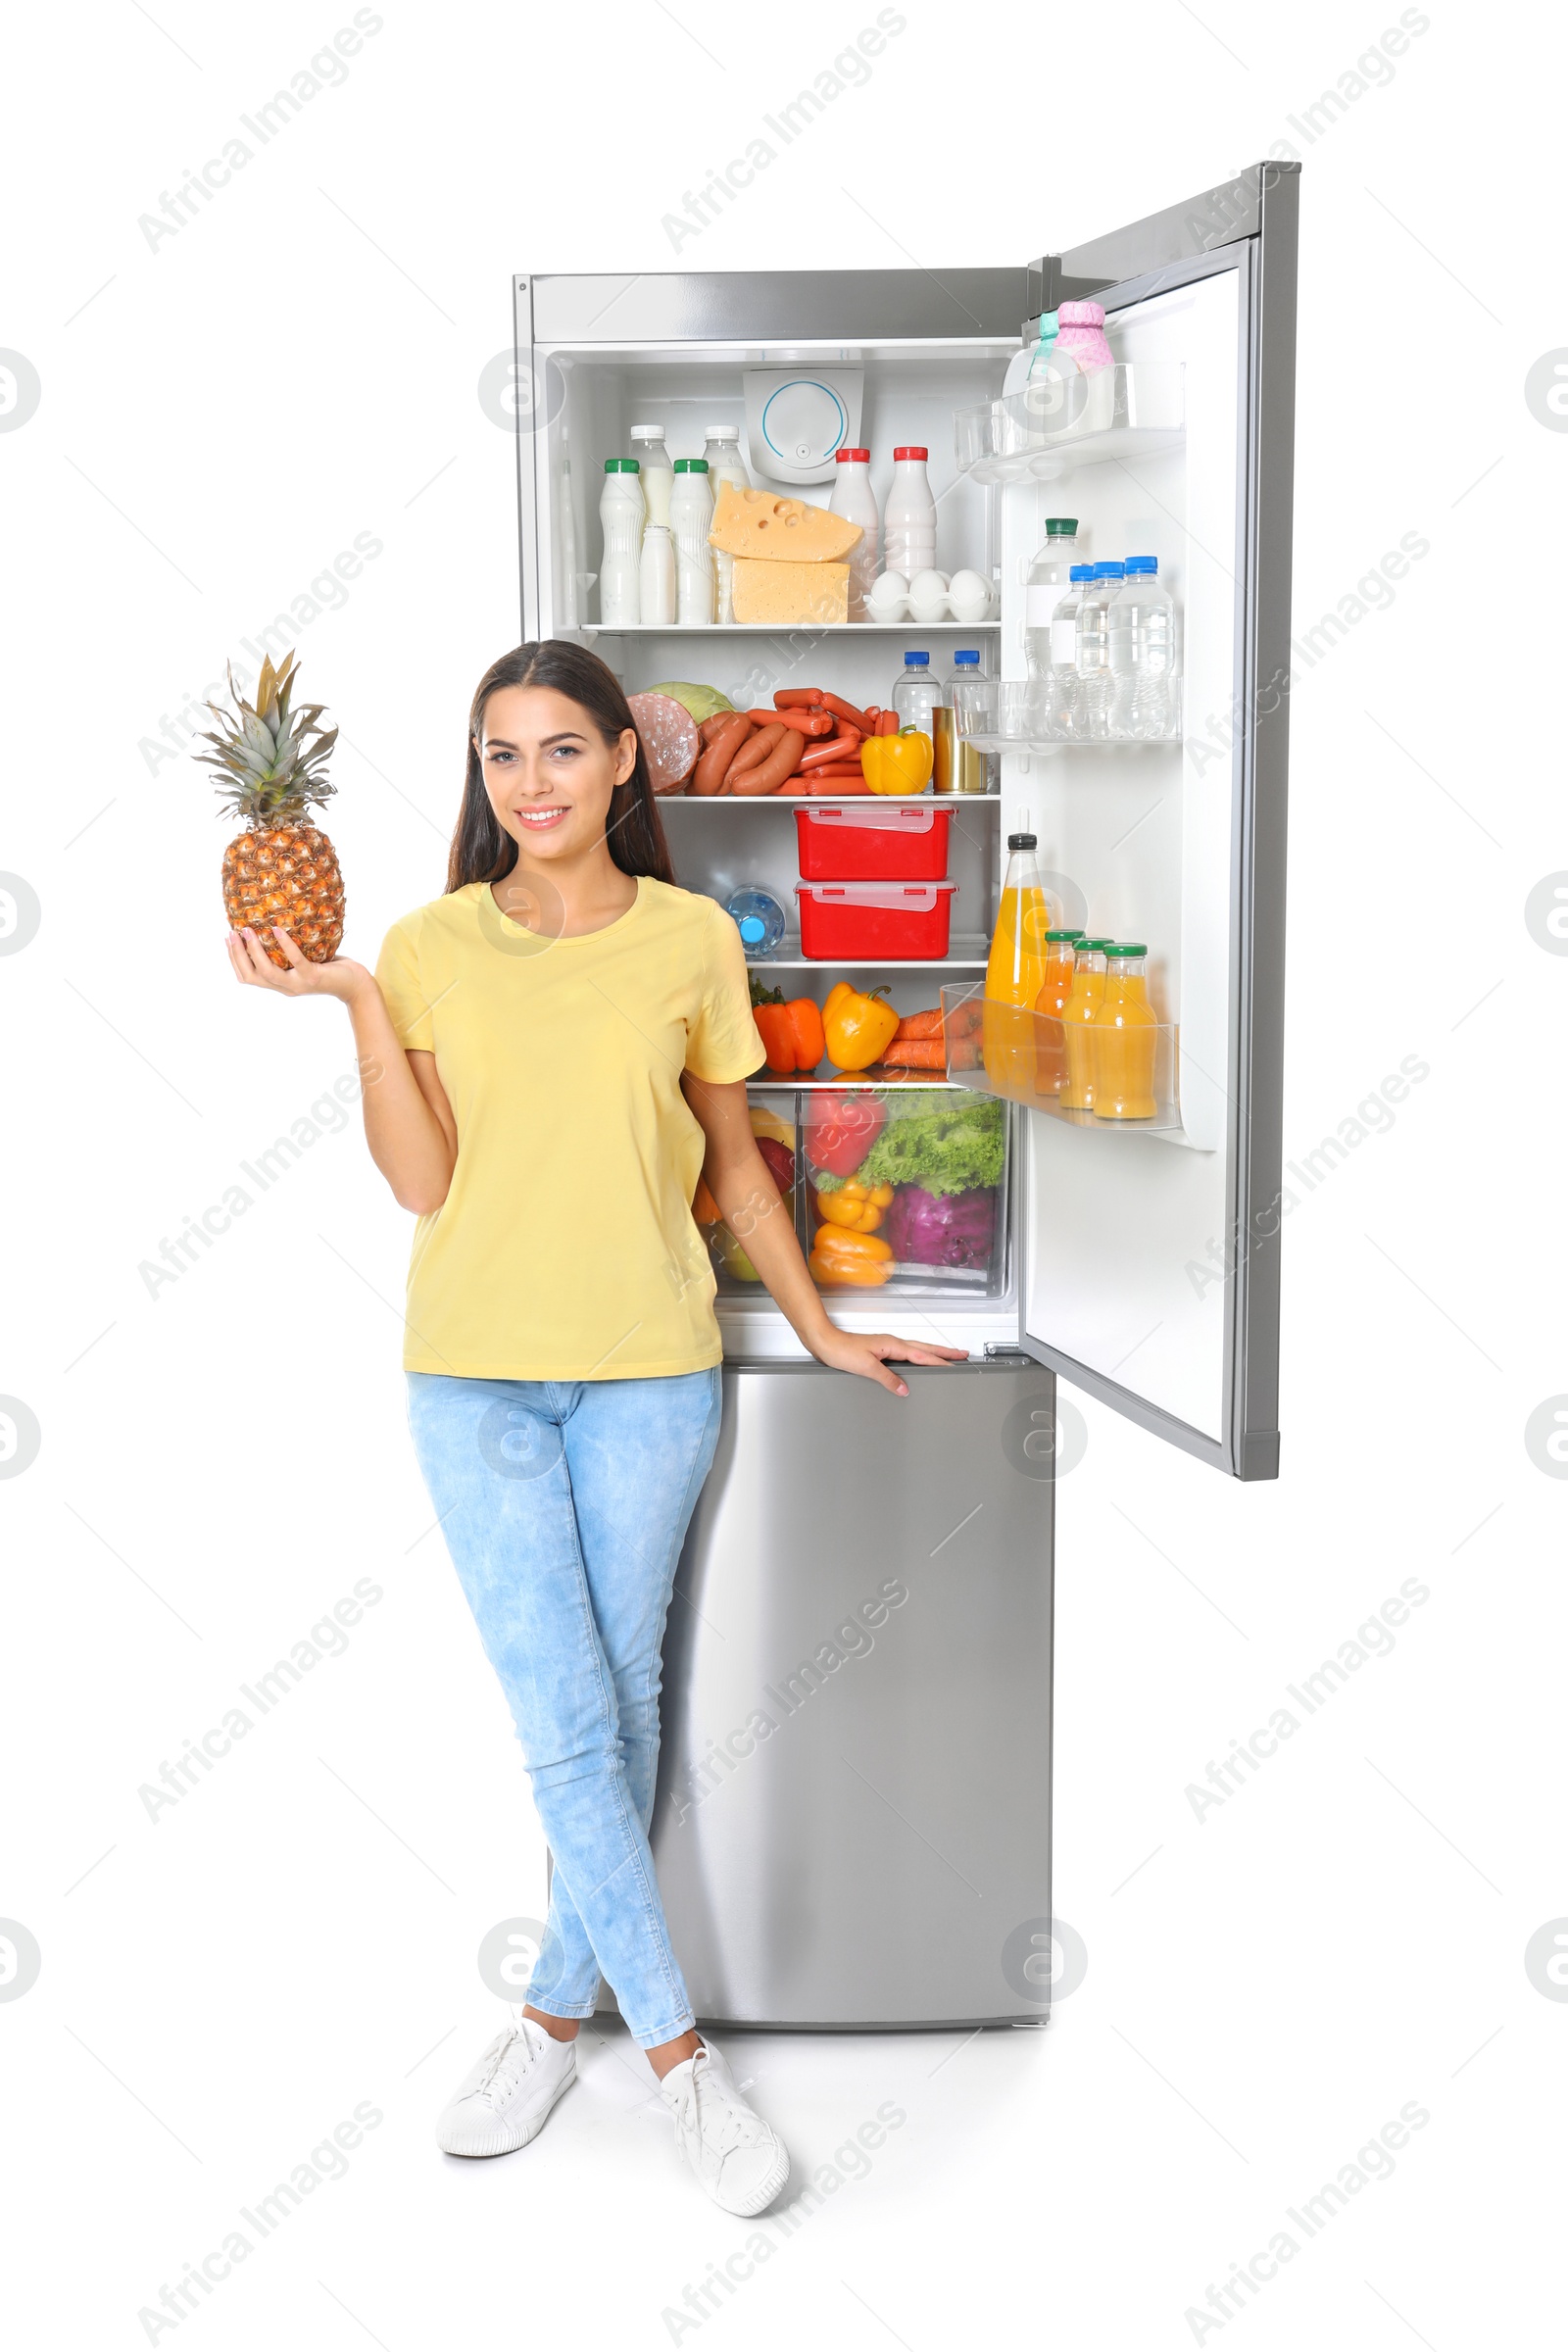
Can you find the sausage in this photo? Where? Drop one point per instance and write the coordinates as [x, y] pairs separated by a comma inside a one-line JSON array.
[[777, 768], [849, 711], [834, 783], [888, 724], [710, 726], [828, 755], [724, 742], [807, 723], [810, 697], [754, 751]]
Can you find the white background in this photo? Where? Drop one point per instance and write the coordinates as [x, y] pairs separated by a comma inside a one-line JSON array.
[[221, 415]]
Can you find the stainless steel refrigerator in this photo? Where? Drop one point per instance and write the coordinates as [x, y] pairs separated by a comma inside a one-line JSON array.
[[853, 1825]]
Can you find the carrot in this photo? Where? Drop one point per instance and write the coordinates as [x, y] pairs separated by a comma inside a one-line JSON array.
[[920, 1024], [917, 1053]]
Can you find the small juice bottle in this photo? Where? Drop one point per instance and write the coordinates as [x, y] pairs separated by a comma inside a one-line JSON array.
[[1015, 971], [1123, 1036], [1050, 1037], [1078, 1018]]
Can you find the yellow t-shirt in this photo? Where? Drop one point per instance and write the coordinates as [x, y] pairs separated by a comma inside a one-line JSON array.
[[565, 1248]]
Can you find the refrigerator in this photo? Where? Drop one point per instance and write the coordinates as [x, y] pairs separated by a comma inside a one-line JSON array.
[[853, 1825]]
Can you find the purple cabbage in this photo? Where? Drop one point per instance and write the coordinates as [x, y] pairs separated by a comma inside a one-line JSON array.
[[947, 1229]]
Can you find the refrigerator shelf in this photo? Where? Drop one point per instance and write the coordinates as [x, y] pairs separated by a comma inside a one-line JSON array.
[[1043, 432], [1011, 715], [967, 950], [843, 1082], [773, 628], [1004, 1050], [822, 801]]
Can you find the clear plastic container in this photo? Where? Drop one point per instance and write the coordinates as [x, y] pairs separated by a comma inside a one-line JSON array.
[[656, 577], [759, 919], [1063, 704], [775, 1126], [920, 1175]]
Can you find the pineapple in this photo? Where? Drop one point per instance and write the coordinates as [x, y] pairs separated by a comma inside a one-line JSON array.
[[282, 869]]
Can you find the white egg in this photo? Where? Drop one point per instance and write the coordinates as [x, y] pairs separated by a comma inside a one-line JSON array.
[[967, 587], [928, 588], [888, 588]]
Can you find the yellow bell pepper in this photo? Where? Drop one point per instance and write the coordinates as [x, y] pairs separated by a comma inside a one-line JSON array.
[[898, 763], [854, 1205], [857, 1028], [868, 1271], [839, 1254]]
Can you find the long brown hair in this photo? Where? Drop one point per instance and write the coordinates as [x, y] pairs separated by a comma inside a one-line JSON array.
[[481, 849]]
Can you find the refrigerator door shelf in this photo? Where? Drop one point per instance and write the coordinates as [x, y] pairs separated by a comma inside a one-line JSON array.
[[853, 1825], [1058, 423], [1001, 1050]]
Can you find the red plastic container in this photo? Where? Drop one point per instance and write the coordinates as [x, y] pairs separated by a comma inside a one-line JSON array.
[[870, 921], [890, 840]]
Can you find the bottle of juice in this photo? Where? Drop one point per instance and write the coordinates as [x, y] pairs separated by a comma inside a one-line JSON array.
[[1050, 1036], [1078, 1019], [1123, 1036], [1015, 971]]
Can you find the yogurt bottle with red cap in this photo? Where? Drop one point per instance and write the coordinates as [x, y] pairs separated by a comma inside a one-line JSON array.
[[910, 519], [853, 498]]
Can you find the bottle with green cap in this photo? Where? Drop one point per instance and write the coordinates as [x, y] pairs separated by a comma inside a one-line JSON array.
[[1124, 1037], [1083, 1006], [690, 516], [620, 517], [1051, 1006], [1050, 581]]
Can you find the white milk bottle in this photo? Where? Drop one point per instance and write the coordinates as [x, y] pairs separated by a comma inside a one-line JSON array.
[[691, 516], [648, 448], [721, 454], [1048, 580], [853, 498], [656, 577], [909, 518], [620, 514]]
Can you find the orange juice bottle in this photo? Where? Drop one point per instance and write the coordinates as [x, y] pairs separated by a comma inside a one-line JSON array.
[[1078, 1018], [1123, 1036], [1016, 971], [1050, 1038]]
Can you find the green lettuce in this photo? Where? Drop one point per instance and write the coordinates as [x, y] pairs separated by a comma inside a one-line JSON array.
[[948, 1151]]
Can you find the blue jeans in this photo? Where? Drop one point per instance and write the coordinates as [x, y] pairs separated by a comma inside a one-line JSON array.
[[564, 1505]]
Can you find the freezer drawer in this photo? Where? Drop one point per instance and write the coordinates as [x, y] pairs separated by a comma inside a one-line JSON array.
[[853, 1827]]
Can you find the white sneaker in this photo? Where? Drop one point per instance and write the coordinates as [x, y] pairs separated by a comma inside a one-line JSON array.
[[740, 2160], [506, 2099]]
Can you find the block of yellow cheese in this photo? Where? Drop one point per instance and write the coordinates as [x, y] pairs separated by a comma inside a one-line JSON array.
[[790, 595], [779, 530]]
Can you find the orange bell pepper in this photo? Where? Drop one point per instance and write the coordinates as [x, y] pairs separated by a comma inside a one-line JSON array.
[[897, 763], [791, 1034], [840, 1255], [857, 1027], [854, 1205], [866, 1271]]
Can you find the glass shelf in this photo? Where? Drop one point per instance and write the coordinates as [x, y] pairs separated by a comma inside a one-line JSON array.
[[842, 1081], [1012, 714], [1016, 1055], [786, 628], [1040, 433], [824, 800]]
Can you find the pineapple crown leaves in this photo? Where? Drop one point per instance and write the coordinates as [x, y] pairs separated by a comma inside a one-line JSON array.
[[270, 756]]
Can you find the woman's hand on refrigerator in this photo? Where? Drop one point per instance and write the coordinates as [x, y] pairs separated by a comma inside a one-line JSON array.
[[867, 1353]]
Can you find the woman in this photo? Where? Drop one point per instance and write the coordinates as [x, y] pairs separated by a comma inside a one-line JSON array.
[[555, 1051]]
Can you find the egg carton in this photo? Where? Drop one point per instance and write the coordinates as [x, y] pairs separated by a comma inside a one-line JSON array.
[[931, 596]]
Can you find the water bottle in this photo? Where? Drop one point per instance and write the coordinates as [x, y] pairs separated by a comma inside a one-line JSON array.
[[691, 516], [967, 769], [1063, 703], [759, 919], [620, 516], [1048, 583], [1095, 686], [1143, 652], [917, 695]]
